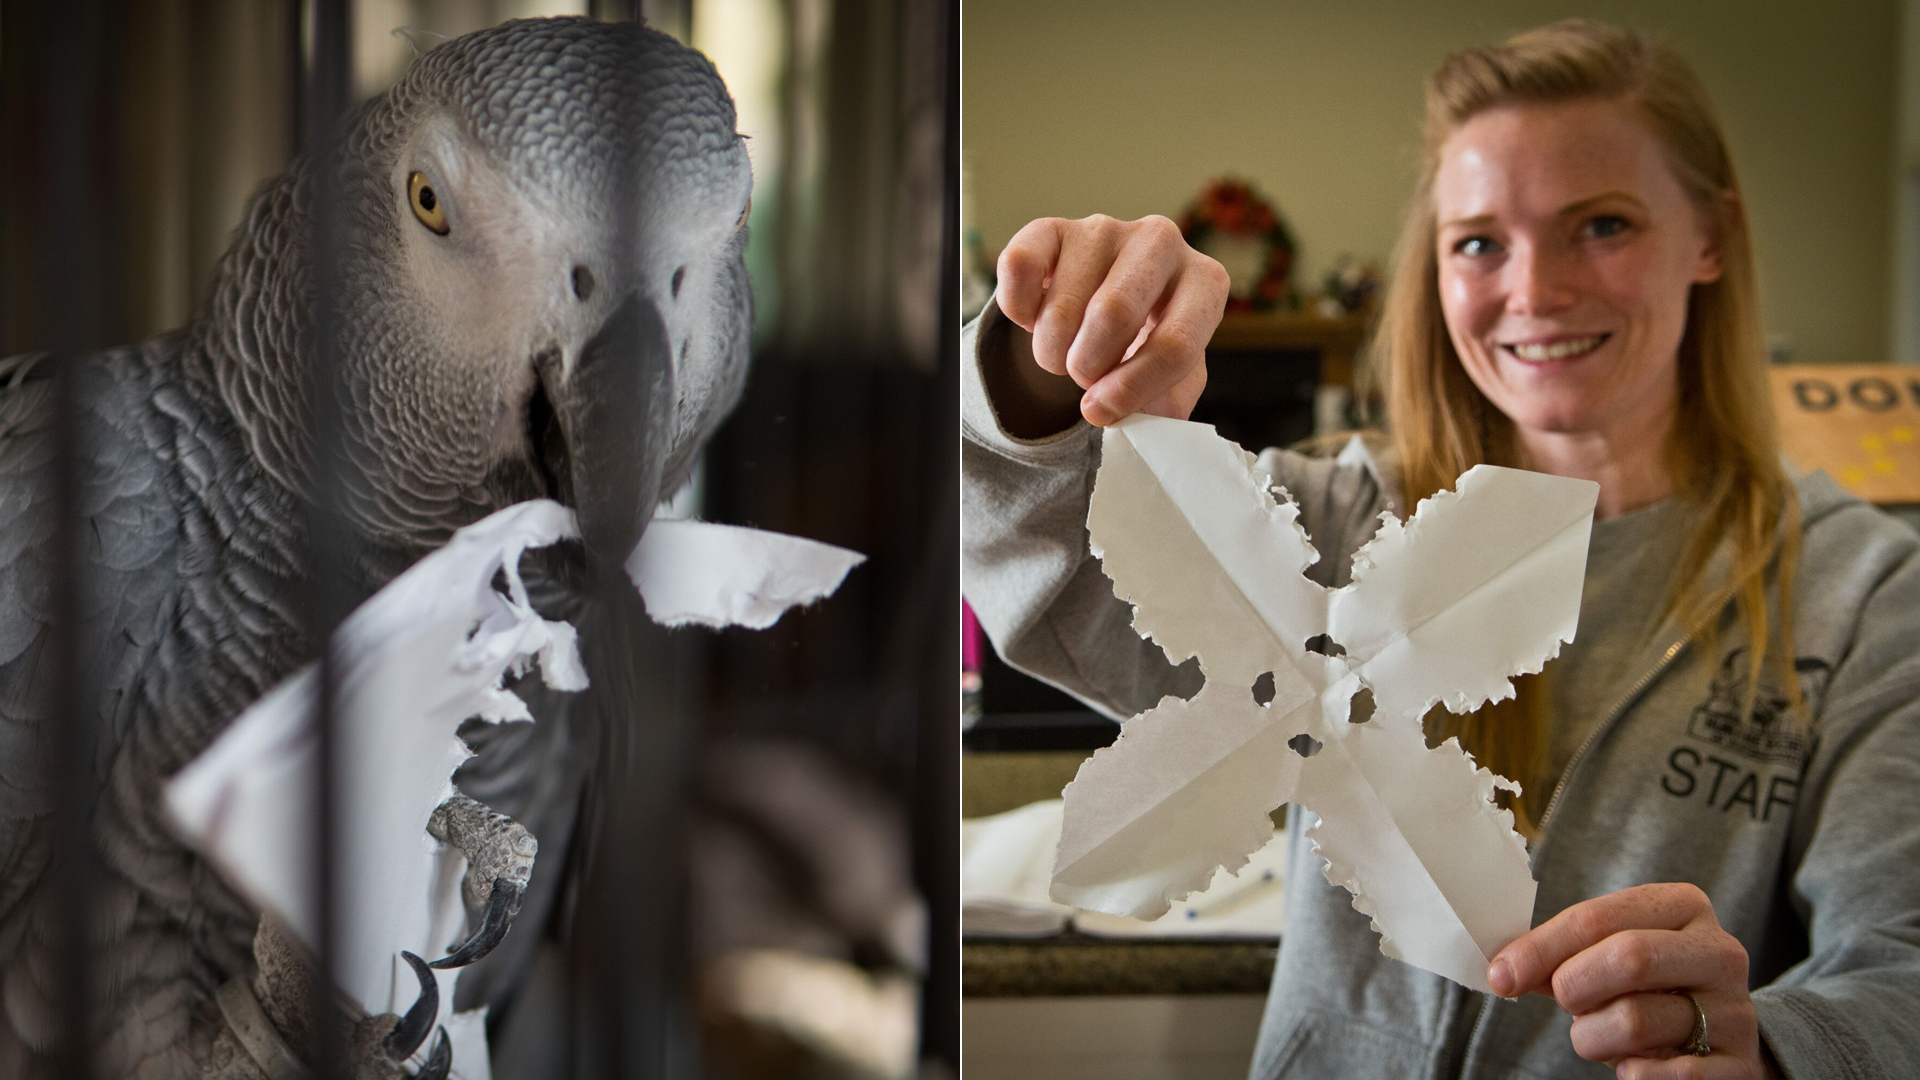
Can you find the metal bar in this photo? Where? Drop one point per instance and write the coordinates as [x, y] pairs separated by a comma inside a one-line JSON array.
[[330, 595], [631, 999], [937, 798], [614, 10], [630, 915], [295, 28], [74, 104], [638, 918]]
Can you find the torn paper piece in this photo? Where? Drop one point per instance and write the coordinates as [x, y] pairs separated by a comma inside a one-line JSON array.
[[1413, 834], [1248, 903], [1004, 861], [421, 656], [726, 575], [1481, 585], [1199, 536], [1432, 603], [1185, 790], [467, 1038]]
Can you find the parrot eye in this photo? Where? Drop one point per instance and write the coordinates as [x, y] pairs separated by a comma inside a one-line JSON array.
[[426, 204]]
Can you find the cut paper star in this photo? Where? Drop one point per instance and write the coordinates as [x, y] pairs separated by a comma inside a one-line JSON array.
[[1482, 584]]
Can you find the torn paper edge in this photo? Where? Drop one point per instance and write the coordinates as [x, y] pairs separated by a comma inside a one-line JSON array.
[[735, 593], [1484, 783], [706, 574], [1127, 595]]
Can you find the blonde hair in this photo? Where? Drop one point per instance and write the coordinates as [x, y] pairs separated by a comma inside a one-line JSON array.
[[1725, 460]]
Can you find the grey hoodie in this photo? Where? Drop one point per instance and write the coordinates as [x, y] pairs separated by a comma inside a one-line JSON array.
[[1809, 847]]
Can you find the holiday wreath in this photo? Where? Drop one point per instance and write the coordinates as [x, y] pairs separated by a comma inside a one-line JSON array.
[[1229, 209]]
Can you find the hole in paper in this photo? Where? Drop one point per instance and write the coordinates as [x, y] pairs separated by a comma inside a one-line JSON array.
[[1325, 646], [1305, 745], [1263, 689], [1361, 710]]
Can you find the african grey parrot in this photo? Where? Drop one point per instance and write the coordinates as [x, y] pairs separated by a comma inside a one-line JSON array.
[[500, 343]]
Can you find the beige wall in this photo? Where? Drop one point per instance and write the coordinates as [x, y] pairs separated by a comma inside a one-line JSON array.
[[1126, 107]]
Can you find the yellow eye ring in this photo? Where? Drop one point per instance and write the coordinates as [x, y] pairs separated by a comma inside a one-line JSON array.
[[426, 203]]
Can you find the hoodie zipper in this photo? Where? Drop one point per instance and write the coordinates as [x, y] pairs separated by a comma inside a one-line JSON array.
[[1613, 716], [1660, 666]]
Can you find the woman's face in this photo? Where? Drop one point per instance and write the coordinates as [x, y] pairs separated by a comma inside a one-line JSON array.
[[1567, 248]]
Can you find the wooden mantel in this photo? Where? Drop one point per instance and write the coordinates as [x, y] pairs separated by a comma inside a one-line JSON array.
[[1337, 340]]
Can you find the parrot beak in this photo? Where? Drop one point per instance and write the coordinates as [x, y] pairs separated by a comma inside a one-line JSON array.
[[609, 430]]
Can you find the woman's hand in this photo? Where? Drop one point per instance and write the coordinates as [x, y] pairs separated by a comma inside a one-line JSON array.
[[1096, 292], [1615, 963]]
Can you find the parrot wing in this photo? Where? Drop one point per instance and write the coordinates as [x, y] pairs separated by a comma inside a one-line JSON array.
[[128, 558]]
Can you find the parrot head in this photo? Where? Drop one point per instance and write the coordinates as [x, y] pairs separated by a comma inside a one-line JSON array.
[[543, 291]]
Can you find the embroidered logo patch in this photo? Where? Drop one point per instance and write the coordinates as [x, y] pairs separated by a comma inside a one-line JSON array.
[[1771, 732]]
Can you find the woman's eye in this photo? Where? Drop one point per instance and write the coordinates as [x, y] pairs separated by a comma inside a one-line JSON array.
[[1474, 246], [426, 203], [1599, 228]]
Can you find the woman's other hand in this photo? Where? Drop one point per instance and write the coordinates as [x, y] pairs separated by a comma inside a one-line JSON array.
[[1118, 315], [1622, 965]]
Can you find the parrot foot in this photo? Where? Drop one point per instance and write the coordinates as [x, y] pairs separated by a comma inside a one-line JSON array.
[[382, 1043], [273, 1013], [500, 853]]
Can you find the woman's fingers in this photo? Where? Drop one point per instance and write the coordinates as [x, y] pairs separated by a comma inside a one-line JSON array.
[[1178, 403], [1168, 371], [1087, 252], [1125, 308], [1150, 261], [1633, 961], [1608, 961], [1025, 264], [1529, 962], [1635, 1025]]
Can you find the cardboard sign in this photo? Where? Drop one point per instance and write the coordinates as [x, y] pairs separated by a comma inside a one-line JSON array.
[[1860, 423]]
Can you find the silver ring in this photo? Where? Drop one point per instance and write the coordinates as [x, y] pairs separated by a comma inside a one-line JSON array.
[[1696, 1044]]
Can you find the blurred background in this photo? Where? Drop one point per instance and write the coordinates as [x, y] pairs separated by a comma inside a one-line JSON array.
[[1129, 108], [819, 914], [1285, 139]]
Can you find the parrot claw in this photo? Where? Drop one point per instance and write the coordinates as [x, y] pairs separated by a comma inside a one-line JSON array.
[[502, 904], [440, 1062], [413, 1028], [500, 854]]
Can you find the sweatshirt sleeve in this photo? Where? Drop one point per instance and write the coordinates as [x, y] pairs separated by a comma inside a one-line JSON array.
[[1849, 1009], [1025, 568]]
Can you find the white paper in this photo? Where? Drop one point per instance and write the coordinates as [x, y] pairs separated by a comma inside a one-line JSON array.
[[1481, 585], [1005, 861], [726, 575], [420, 657], [1247, 903]]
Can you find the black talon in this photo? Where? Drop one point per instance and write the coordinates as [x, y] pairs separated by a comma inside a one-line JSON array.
[[440, 1062], [413, 1028], [501, 906]]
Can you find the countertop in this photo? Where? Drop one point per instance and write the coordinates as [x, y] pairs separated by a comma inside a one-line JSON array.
[[1073, 964]]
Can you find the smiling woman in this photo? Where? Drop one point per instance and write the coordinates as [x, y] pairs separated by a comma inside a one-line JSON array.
[[1575, 274], [1573, 294]]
